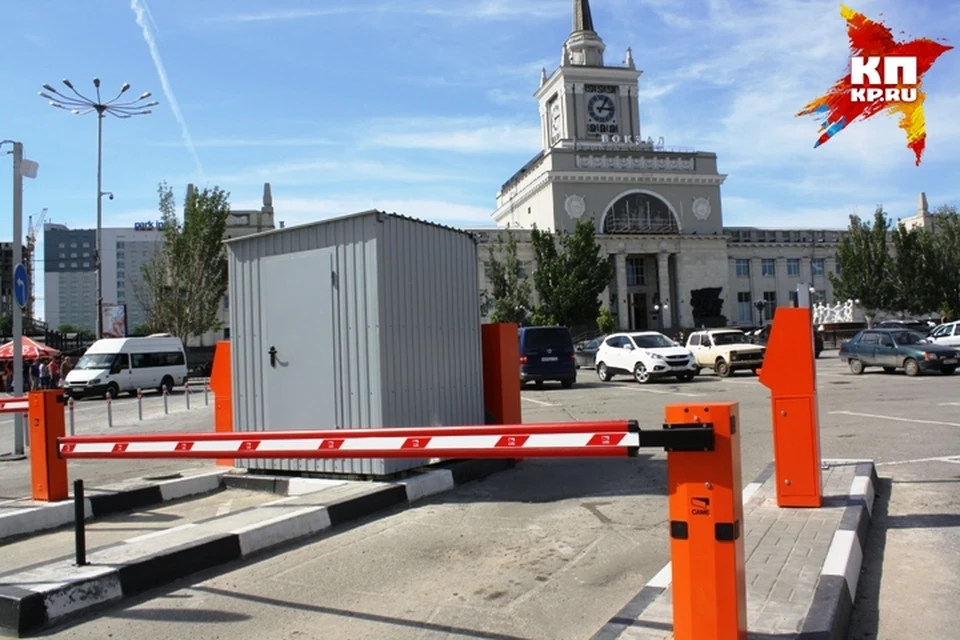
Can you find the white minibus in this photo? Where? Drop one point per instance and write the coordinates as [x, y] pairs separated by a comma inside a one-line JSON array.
[[117, 365]]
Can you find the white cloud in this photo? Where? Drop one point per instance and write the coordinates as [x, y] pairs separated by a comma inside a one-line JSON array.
[[295, 211], [480, 10], [752, 212], [461, 135], [323, 172]]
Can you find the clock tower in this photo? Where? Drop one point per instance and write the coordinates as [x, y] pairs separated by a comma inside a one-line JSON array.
[[583, 99]]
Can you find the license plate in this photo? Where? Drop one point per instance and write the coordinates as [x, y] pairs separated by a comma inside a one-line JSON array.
[[549, 359], [950, 361]]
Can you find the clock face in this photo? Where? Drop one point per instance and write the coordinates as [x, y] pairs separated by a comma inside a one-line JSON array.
[[601, 108]]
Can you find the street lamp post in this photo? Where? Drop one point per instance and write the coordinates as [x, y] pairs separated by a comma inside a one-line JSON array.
[[658, 308], [760, 305], [80, 104]]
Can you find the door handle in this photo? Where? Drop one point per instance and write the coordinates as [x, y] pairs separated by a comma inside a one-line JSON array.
[[273, 356]]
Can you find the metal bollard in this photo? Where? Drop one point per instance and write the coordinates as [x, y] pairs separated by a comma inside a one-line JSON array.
[[206, 394], [109, 409], [186, 393], [70, 413], [140, 404], [79, 527], [165, 408]]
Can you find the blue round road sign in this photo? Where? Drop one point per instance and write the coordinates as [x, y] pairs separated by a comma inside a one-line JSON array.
[[21, 285]]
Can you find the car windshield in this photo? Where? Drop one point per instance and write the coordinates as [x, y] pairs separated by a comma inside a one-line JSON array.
[[95, 361], [909, 337], [652, 341], [730, 337]]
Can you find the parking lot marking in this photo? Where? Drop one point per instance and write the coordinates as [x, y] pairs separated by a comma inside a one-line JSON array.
[[539, 402], [894, 418], [954, 459], [661, 392]]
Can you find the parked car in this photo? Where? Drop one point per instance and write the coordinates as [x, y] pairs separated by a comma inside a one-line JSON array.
[[920, 326], [586, 354], [725, 351], [894, 349], [547, 354], [646, 356], [947, 334], [762, 335]]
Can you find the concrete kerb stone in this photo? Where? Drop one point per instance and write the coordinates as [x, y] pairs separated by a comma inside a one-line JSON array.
[[25, 517], [59, 591], [828, 614]]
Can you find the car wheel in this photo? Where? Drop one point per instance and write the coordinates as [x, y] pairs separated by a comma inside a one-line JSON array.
[[113, 390], [948, 371], [539, 384], [912, 367], [722, 368], [685, 377], [603, 373], [889, 369], [641, 374], [856, 366], [567, 383]]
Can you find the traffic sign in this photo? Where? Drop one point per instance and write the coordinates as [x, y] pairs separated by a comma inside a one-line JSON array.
[[21, 285]]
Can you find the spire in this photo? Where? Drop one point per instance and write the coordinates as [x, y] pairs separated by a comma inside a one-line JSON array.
[[629, 61], [543, 76], [582, 18], [267, 195], [922, 208]]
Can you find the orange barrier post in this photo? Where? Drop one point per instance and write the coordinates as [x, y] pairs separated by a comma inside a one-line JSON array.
[[501, 372], [790, 372], [48, 471], [706, 527], [221, 383]]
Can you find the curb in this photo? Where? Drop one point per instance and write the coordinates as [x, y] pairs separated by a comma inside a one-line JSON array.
[[830, 611], [836, 592], [36, 517], [57, 592]]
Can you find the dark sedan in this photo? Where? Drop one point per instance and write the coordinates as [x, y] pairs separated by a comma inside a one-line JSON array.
[[894, 349], [587, 353]]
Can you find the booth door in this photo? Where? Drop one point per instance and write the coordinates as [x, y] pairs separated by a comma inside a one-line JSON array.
[[296, 307]]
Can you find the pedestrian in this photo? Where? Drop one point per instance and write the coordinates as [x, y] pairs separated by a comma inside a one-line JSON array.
[[54, 373], [44, 371], [8, 377], [66, 368]]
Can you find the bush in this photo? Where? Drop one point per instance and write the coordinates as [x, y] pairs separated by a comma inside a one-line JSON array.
[[605, 321]]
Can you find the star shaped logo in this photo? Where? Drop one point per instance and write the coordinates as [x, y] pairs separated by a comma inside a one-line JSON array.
[[874, 84]]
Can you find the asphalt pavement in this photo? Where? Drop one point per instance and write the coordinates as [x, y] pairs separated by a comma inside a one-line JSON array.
[[90, 417], [553, 548]]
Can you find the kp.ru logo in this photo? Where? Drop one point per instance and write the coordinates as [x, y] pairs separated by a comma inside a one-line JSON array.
[[885, 75], [869, 86]]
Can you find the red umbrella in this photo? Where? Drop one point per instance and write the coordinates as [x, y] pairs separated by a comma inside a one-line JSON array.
[[31, 350]]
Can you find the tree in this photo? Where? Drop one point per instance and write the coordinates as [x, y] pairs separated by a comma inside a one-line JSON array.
[[6, 325], [866, 267], [605, 321], [914, 270], [185, 281], [945, 257], [511, 289], [571, 273]]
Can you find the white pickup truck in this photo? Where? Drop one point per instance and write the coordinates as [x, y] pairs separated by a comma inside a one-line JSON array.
[[725, 351]]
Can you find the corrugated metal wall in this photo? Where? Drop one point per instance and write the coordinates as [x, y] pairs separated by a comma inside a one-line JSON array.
[[356, 350], [431, 358], [407, 329]]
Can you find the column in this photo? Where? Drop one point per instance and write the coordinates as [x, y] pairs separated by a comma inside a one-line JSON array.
[[622, 310], [663, 287], [783, 287]]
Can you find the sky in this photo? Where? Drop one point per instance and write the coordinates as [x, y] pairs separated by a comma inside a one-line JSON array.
[[426, 108]]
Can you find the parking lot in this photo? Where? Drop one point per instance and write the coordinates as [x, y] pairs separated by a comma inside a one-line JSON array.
[[554, 548]]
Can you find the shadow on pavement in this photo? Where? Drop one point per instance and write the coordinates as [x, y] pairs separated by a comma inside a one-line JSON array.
[[866, 608]]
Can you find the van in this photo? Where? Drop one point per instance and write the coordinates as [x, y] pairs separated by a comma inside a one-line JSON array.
[[117, 365], [547, 354]]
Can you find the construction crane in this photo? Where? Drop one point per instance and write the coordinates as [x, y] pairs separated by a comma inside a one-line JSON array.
[[30, 259]]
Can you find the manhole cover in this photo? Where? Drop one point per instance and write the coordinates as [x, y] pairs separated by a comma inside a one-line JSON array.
[[171, 476]]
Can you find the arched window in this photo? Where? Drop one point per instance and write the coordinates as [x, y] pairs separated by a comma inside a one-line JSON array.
[[639, 213]]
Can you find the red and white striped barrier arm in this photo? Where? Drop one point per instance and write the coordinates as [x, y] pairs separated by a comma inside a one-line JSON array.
[[19, 404], [551, 440]]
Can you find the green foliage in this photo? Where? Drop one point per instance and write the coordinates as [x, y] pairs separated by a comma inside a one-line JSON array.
[[6, 325], [571, 273], [866, 267], [142, 330], [605, 320], [945, 261], [185, 281], [542, 318], [511, 289], [914, 268]]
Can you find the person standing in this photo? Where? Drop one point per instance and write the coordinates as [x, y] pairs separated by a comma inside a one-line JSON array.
[[54, 373], [44, 371]]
